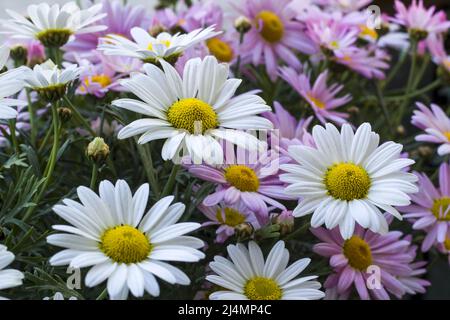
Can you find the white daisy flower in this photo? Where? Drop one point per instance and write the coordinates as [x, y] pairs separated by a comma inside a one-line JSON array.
[[53, 26], [248, 277], [150, 49], [112, 234], [9, 278], [193, 110], [10, 83], [49, 81], [348, 178], [59, 296]]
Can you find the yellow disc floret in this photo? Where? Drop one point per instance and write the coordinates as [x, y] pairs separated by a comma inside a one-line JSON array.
[[193, 115], [358, 253], [230, 217], [347, 181], [54, 38], [260, 288], [447, 243], [242, 178], [125, 244], [317, 102], [270, 26], [220, 49], [101, 79], [441, 208]]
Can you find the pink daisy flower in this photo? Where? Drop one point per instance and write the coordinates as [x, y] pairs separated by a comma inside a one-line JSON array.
[[275, 33], [288, 130], [436, 125], [369, 63], [430, 208], [420, 20], [437, 50], [321, 97], [351, 258], [227, 218], [255, 182]]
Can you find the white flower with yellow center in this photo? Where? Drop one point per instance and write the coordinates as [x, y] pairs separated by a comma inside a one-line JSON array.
[[10, 83], [152, 49], [192, 111], [53, 25], [9, 278], [248, 277], [347, 178], [49, 81], [112, 234]]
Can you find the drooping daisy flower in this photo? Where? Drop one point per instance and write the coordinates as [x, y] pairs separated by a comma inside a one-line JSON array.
[[255, 181], [193, 110], [438, 52], [368, 262], [430, 208], [419, 20], [119, 19], [9, 278], [248, 277], [10, 83], [53, 26], [368, 63], [321, 97], [274, 34], [154, 49], [26, 51], [112, 233], [436, 125], [288, 129], [347, 178], [49, 81], [227, 218]]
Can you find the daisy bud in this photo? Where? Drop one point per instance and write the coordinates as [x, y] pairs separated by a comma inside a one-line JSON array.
[[19, 54], [242, 24], [244, 230], [156, 29], [64, 114], [401, 130], [425, 151], [286, 222], [418, 35], [97, 150]]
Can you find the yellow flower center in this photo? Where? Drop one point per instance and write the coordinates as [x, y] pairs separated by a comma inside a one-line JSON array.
[[193, 115], [232, 217], [447, 135], [447, 243], [272, 29], [358, 253], [334, 45], [242, 178], [54, 37], [368, 32], [101, 79], [347, 181], [220, 49], [125, 244], [441, 208], [164, 42], [260, 288], [317, 102]]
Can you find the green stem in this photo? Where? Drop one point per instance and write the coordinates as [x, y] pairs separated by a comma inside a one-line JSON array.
[[102, 295], [168, 189], [298, 231], [50, 164], [94, 176], [12, 130], [420, 92], [383, 106], [79, 117], [238, 61], [45, 140], [396, 68], [147, 161], [411, 80], [33, 131]]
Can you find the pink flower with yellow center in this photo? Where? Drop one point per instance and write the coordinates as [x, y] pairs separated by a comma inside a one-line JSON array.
[[321, 97]]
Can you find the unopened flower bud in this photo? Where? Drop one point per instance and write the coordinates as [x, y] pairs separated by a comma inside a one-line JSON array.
[[242, 24], [65, 114], [418, 35], [19, 54], [286, 222], [156, 29], [425, 151], [97, 150], [401, 130], [244, 230]]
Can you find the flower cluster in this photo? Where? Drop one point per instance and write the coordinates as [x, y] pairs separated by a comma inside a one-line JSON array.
[[223, 150]]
